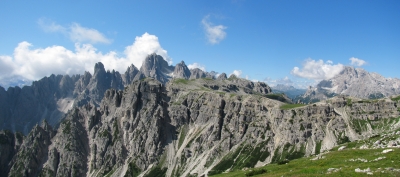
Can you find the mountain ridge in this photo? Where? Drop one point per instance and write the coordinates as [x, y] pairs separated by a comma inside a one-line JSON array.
[[354, 82], [193, 127], [51, 97]]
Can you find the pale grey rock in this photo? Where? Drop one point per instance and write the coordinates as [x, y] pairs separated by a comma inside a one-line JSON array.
[[358, 170], [22, 108], [354, 82], [98, 84], [32, 153], [192, 125], [181, 71], [156, 67], [131, 74], [387, 151], [181, 127], [222, 76], [197, 73]]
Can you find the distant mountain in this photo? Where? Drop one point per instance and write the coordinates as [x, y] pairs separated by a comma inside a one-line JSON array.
[[355, 82], [289, 90], [51, 97]]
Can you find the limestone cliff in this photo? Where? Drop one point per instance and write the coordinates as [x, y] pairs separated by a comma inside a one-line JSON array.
[[194, 127]]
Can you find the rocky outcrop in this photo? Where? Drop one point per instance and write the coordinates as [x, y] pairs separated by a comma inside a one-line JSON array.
[[98, 84], [131, 74], [33, 152], [195, 127], [9, 146], [156, 67], [197, 73], [52, 97], [354, 82], [24, 107], [222, 77], [181, 71]]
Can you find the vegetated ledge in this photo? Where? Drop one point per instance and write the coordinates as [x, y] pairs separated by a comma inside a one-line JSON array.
[[378, 155]]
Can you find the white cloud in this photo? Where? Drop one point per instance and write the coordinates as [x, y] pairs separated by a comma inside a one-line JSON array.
[[317, 70], [214, 33], [273, 82], [50, 26], [33, 64], [6, 67], [236, 73], [143, 46], [75, 32], [81, 34], [357, 62], [197, 65], [297, 83]]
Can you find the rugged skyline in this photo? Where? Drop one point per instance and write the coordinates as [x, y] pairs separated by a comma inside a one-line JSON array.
[[316, 37]]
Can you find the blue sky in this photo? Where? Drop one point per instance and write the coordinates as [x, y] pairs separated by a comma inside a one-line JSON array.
[[261, 40]]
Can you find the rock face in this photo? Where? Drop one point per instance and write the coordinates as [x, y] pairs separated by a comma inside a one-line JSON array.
[[22, 108], [9, 146], [181, 71], [156, 67], [51, 97], [355, 82], [33, 152], [197, 73], [222, 76], [98, 84], [132, 74], [193, 127]]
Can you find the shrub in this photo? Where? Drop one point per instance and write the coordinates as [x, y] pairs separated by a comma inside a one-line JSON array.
[[282, 162], [256, 172]]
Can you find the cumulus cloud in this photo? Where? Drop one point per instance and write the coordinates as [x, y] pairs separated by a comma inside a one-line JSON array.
[[197, 65], [144, 45], [357, 62], [214, 33], [29, 63], [75, 32], [6, 67], [82, 34], [317, 70], [50, 26], [236, 73], [273, 82]]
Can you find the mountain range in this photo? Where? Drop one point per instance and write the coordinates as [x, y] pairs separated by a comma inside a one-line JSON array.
[[354, 82], [289, 90], [166, 120], [51, 97]]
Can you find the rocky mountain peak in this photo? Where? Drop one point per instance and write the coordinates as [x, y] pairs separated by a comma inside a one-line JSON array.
[[181, 71], [355, 82], [131, 73], [156, 67], [222, 76], [232, 77], [99, 69], [197, 73]]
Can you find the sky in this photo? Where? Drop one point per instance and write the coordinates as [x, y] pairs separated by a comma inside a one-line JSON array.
[[291, 42]]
